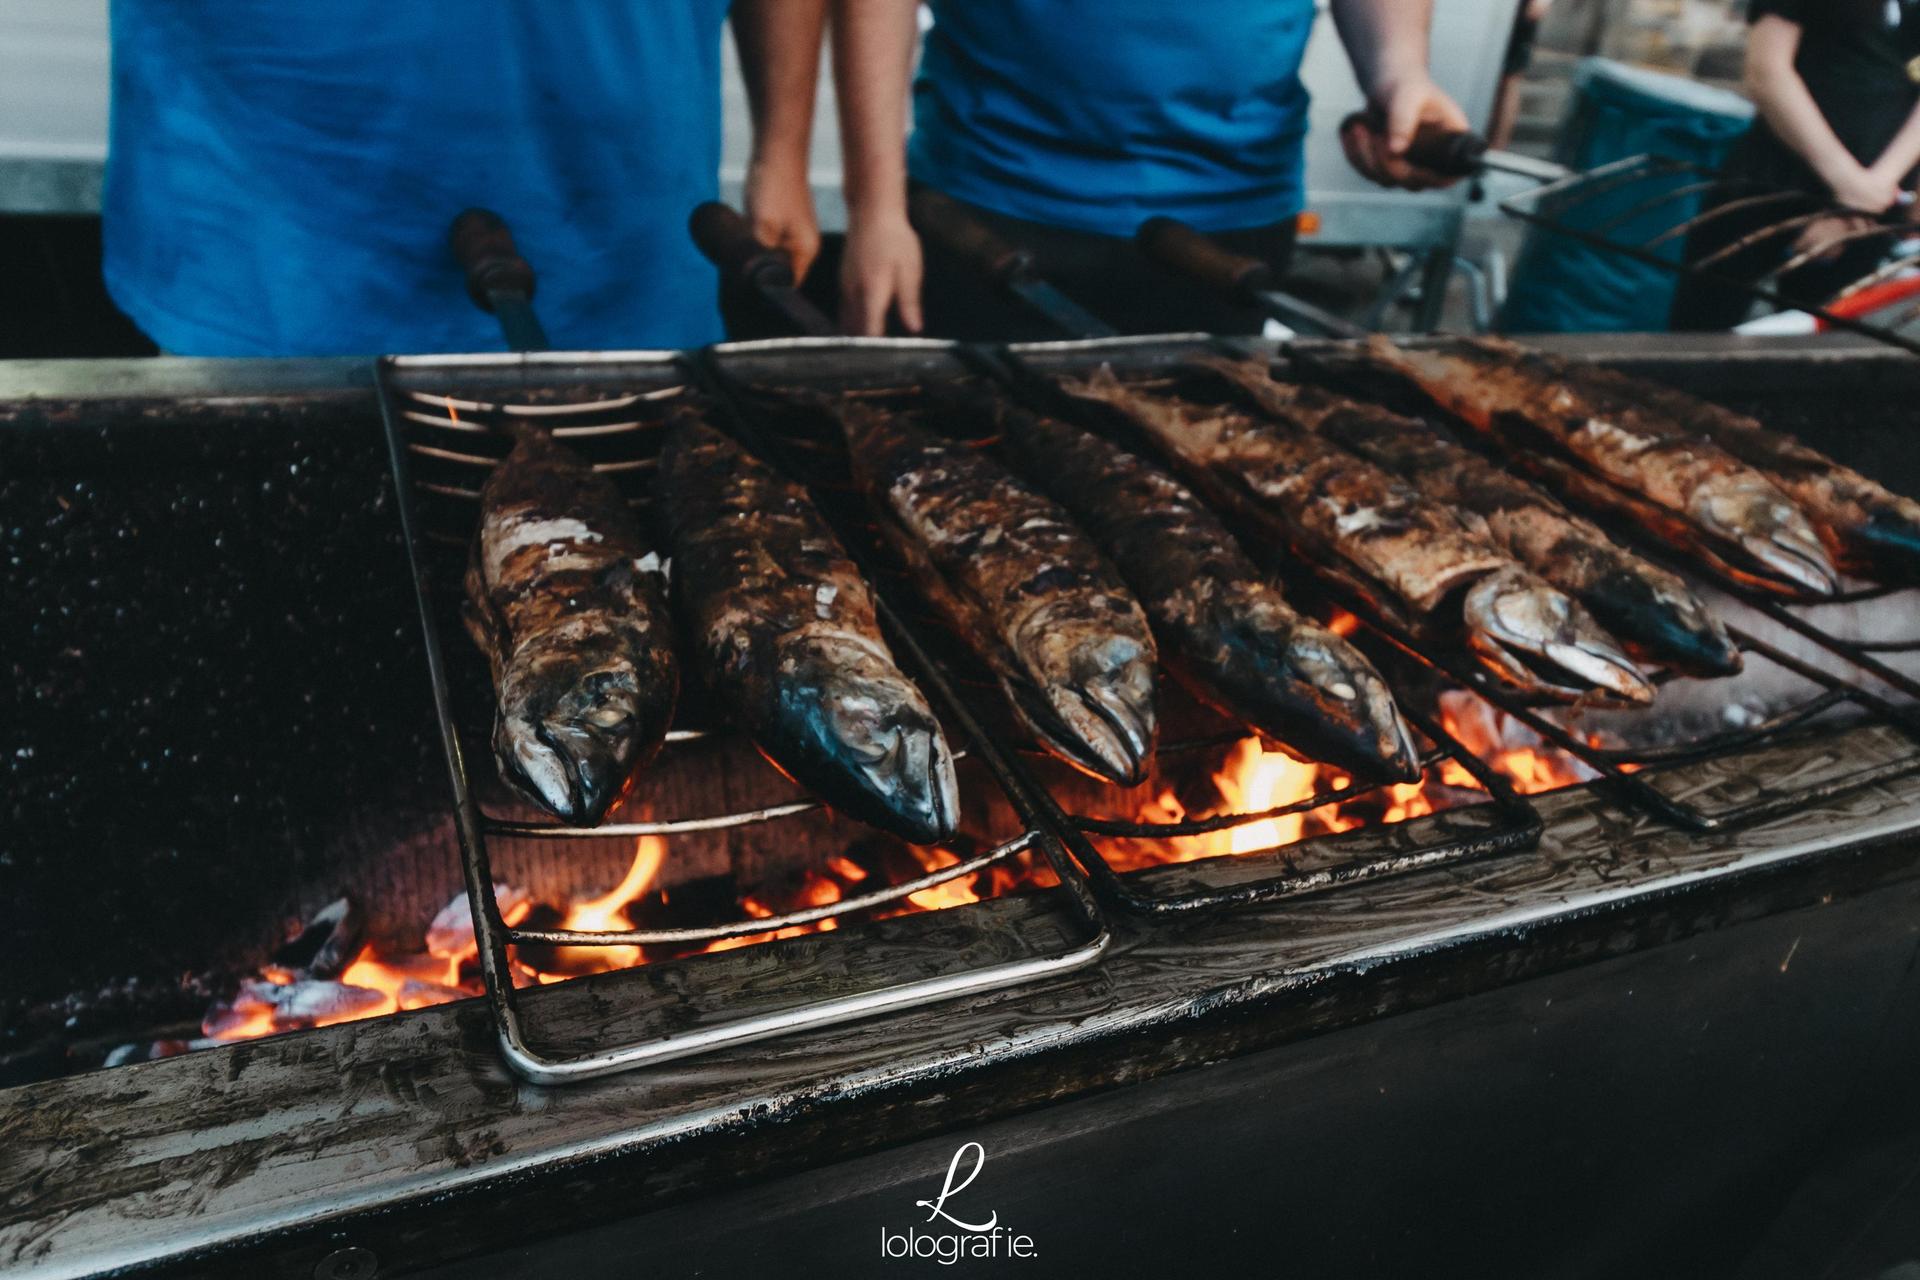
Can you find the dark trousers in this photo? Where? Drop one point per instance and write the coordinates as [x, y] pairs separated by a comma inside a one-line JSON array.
[[1105, 274]]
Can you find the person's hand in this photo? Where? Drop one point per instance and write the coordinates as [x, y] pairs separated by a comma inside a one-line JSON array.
[[880, 272], [1376, 141], [1865, 189], [1824, 237], [780, 210]]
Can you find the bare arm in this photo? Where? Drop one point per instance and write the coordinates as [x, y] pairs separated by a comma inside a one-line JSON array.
[[1782, 99], [1386, 41], [873, 42], [779, 42], [1903, 153]]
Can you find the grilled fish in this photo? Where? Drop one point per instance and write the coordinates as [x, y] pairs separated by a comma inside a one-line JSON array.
[[1225, 631], [1622, 456], [1867, 529], [1027, 591], [787, 638], [569, 605], [1654, 612], [1413, 558]]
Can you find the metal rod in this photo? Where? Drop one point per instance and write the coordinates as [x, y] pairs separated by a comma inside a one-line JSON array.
[[1516, 207], [1719, 211], [1125, 830], [750, 925]]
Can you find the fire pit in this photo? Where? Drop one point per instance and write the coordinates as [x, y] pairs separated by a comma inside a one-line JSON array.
[[402, 1133]]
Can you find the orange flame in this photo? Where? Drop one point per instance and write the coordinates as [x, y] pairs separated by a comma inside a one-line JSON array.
[[1251, 779]]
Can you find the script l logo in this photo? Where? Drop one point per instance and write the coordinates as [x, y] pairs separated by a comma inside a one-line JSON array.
[[936, 1209]]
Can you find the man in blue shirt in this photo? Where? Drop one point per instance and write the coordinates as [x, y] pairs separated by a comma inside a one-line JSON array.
[[282, 177], [1064, 124]]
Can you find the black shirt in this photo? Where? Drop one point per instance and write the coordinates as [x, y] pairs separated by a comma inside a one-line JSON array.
[[1859, 59]]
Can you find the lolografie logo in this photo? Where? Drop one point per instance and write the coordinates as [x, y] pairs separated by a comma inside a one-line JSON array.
[[968, 1239]]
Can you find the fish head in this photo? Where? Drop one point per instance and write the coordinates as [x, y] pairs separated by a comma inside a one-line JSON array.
[[1890, 536], [858, 734], [1662, 621], [1097, 710], [575, 728], [1297, 684], [1774, 540], [1535, 637], [1355, 724]]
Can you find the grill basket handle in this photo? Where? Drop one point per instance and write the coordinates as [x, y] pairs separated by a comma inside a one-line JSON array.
[[1173, 243], [948, 223], [1443, 151], [483, 245], [727, 240]]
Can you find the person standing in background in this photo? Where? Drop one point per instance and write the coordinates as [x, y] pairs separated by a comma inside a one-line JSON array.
[[1064, 124], [281, 178], [1835, 86], [1506, 101]]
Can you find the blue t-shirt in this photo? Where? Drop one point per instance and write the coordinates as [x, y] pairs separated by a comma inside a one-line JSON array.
[[282, 176], [1099, 114]]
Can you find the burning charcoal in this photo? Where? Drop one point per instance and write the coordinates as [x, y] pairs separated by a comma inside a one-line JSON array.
[[259, 1008], [450, 936], [417, 993], [313, 1003], [708, 898], [327, 945], [148, 1051]]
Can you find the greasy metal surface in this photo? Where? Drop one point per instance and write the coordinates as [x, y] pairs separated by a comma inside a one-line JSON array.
[[258, 1138]]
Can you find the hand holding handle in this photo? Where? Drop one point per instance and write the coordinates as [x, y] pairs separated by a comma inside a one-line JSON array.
[[1174, 244], [484, 247], [947, 222], [1434, 147], [728, 242]]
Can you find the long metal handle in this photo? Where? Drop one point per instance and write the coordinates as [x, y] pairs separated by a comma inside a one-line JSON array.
[[1460, 153], [499, 280], [946, 222], [1173, 243], [725, 237], [727, 240]]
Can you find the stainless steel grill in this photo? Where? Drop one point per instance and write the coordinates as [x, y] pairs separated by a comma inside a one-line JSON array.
[[611, 407]]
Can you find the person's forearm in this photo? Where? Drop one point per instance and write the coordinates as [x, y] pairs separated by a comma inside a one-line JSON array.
[[873, 43], [1795, 118], [1386, 40], [1787, 106], [1903, 153], [779, 42]]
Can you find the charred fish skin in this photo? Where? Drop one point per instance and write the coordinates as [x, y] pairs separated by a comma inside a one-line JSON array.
[[788, 638], [1026, 589], [1654, 613], [1868, 530], [1731, 514], [1415, 559], [569, 606], [1224, 629]]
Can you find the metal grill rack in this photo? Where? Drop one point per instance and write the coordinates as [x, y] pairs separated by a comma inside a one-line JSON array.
[[1630, 772], [1504, 823], [447, 434], [1583, 206]]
